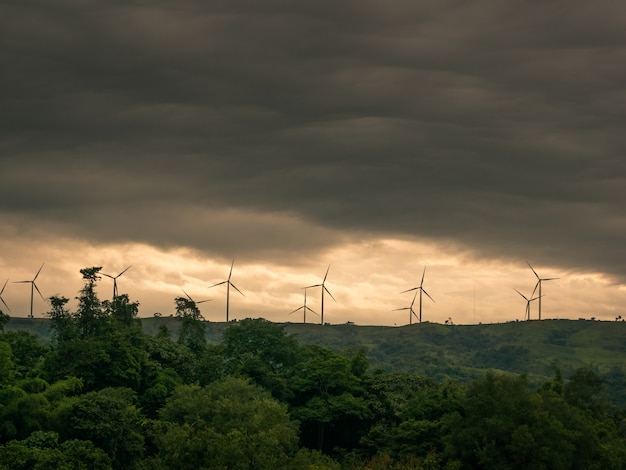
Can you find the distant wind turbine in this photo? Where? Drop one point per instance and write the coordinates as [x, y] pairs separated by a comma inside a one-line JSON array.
[[324, 289], [410, 309], [198, 302], [421, 290], [115, 293], [33, 287], [528, 301], [228, 285], [304, 307], [538, 285], [1, 291]]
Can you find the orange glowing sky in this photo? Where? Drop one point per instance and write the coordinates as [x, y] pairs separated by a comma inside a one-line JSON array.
[[365, 277], [376, 137]]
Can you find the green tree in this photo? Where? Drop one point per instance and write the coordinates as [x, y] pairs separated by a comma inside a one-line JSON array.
[[226, 424], [163, 353], [26, 351], [584, 390], [104, 340], [503, 424], [90, 315], [191, 332], [7, 367], [4, 319], [63, 324], [42, 451], [21, 412], [109, 418], [263, 352], [328, 400]]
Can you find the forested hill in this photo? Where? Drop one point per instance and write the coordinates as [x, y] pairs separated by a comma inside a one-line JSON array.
[[458, 352]]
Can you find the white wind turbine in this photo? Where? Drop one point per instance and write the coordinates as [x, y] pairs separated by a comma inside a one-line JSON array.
[[228, 285], [33, 287], [324, 289], [421, 290]]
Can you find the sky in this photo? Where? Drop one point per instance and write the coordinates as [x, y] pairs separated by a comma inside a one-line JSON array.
[[376, 139]]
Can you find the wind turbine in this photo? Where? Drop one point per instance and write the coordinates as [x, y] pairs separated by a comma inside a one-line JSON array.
[[421, 290], [33, 286], [411, 311], [539, 281], [115, 280], [1, 291], [324, 288], [304, 307], [198, 302], [228, 285], [528, 301]]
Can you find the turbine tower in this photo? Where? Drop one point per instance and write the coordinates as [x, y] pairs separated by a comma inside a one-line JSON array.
[[421, 290], [33, 287], [410, 309], [324, 289], [115, 293], [539, 281], [528, 301], [228, 286], [1, 291], [304, 307]]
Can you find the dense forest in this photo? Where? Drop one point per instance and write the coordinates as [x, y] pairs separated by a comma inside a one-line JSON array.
[[106, 392]]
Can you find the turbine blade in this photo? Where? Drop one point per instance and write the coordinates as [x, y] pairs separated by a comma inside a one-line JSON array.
[[315, 285], [218, 284], [396, 309], [409, 290], [294, 311], [5, 284], [188, 296], [5, 304], [235, 287], [326, 275], [311, 310], [331, 295], [535, 289], [428, 295], [40, 268], [520, 293], [231, 269], [107, 275], [124, 271], [533, 269], [551, 279], [423, 274], [21, 282], [37, 289]]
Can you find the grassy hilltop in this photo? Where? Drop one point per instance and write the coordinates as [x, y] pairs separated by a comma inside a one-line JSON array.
[[457, 352]]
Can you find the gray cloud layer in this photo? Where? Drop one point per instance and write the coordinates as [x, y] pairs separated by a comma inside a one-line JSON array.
[[499, 126]]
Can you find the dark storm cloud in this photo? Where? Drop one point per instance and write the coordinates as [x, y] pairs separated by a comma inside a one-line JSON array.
[[495, 125]]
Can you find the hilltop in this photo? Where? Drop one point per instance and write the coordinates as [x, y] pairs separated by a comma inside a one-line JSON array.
[[453, 352]]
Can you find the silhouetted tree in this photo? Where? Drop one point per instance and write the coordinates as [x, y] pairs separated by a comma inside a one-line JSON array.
[[192, 327], [4, 318]]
